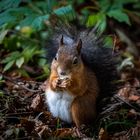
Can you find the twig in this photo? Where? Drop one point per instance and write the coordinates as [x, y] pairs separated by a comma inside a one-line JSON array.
[[22, 113], [11, 117], [110, 109], [22, 86], [37, 117], [117, 97], [28, 138]]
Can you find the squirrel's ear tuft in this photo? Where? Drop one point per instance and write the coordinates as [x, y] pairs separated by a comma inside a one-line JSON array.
[[79, 45], [61, 41]]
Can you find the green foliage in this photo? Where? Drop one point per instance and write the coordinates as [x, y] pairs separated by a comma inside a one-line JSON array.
[[33, 14], [19, 58], [114, 9], [20, 22], [1, 80], [98, 20], [119, 15], [108, 41], [1, 94], [2, 35], [125, 124], [23, 32], [119, 122]]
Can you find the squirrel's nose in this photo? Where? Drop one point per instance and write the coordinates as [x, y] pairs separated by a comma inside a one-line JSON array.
[[63, 73]]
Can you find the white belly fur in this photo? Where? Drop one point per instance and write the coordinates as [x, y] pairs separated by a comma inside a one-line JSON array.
[[60, 104]]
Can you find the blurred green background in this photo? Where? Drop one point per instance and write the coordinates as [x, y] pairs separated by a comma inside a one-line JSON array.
[[24, 28]]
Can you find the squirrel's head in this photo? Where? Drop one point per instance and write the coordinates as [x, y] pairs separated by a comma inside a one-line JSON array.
[[68, 59]]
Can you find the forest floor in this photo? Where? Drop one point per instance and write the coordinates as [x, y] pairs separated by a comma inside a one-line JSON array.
[[24, 113]]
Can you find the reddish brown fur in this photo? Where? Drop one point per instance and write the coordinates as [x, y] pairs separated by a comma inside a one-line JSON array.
[[84, 105], [83, 85], [85, 88]]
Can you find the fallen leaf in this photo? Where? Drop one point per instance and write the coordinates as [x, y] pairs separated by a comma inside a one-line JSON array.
[[63, 132], [134, 97], [103, 134], [37, 103], [132, 113], [129, 93], [43, 131], [124, 92], [28, 124]]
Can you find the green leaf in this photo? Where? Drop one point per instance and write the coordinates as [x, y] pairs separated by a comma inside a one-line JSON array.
[[63, 10], [1, 94], [119, 16], [66, 12], [29, 52], [36, 21], [5, 17], [104, 5], [8, 65], [2, 35], [45, 8], [101, 26], [12, 56], [46, 69], [98, 20], [1, 77], [19, 62], [6, 4], [27, 21], [23, 72], [42, 62], [125, 1], [92, 20], [26, 11], [108, 42]]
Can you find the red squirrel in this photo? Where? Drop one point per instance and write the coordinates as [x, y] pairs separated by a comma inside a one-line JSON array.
[[77, 78]]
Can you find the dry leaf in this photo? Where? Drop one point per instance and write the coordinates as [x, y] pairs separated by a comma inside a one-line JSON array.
[[77, 132], [63, 132], [124, 92], [132, 113], [43, 131], [28, 124], [134, 97], [129, 93], [103, 135], [37, 103]]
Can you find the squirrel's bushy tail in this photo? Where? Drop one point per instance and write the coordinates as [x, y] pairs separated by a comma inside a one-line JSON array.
[[95, 54], [101, 59]]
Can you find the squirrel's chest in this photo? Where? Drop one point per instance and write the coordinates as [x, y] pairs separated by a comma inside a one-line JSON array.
[[60, 104]]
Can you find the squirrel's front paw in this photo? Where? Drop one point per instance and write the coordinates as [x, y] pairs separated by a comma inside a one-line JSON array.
[[56, 83], [60, 84], [65, 83]]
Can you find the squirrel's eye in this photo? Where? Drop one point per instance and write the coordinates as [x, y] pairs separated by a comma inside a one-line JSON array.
[[75, 60], [55, 58]]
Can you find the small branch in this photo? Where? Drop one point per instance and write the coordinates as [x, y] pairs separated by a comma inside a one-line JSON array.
[[22, 86], [22, 113], [112, 108], [11, 117], [3, 110], [117, 97], [30, 138]]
